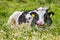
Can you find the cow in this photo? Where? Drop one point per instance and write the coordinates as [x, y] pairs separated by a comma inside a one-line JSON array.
[[39, 17]]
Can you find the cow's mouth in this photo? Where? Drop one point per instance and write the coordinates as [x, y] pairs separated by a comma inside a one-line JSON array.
[[40, 24]]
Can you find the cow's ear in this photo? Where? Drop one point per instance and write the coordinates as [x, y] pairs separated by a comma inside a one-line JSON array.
[[48, 9], [36, 9], [51, 14], [33, 14]]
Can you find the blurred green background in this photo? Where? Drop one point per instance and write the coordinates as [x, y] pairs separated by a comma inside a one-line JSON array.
[[7, 7]]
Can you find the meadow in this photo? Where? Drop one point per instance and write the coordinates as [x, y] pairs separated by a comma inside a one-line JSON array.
[[7, 7]]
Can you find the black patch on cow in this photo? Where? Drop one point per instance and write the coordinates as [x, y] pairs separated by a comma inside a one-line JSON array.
[[22, 18], [47, 18], [35, 19]]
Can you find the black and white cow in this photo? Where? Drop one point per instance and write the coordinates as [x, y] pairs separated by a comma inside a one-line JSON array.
[[39, 17]]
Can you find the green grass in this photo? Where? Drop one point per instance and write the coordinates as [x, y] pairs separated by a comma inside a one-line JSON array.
[[28, 33]]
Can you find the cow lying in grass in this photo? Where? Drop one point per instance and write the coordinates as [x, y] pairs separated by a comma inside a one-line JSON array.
[[38, 17]]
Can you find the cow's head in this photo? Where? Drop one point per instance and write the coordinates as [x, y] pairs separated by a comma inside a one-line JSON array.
[[44, 16]]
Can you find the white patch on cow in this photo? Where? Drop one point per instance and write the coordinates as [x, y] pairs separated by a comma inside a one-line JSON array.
[[13, 18], [42, 8], [41, 16], [29, 18]]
